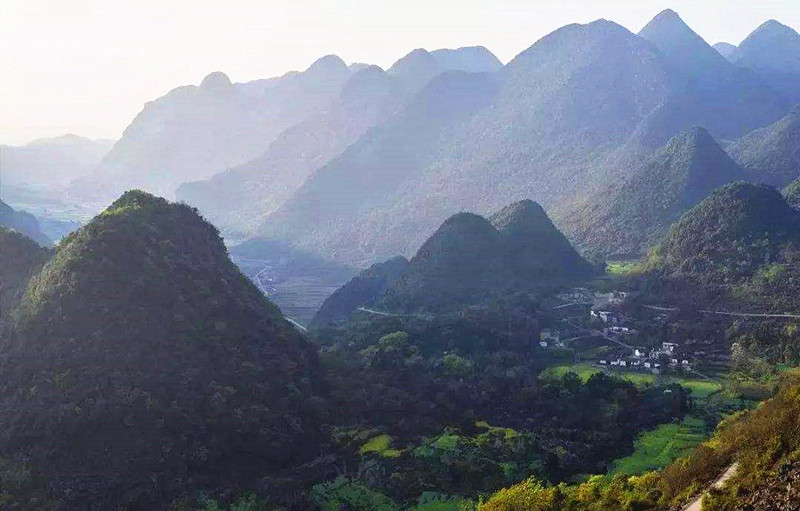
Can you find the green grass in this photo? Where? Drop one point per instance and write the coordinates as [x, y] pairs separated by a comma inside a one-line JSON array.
[[584, 371], [701, 389], [657, 448], [380, 445], [623, 267]]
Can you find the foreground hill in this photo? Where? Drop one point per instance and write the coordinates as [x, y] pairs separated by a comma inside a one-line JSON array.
[[468, 260], [763, 443], [23, 223], [624, 218], [557, 123], [22, 258], [771, 154], [144, 366]]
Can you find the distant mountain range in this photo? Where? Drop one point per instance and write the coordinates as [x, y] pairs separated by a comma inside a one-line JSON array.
[[356, 164], [240, 198], [52, 161], [773, 51], [579, 111], [193, 133]]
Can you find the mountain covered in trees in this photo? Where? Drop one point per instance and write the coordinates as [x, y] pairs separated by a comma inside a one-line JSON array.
[[771, 154], [468, 260], [627, 216], [22, 222], [738, 246], [582, 107], [361, 290], [22, 259], [143, 367], [792, 193]]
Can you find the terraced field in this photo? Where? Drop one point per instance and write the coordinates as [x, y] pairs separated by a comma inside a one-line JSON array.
[[657, 448]]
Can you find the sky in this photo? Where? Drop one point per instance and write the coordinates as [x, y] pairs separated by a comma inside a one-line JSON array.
[[89, 66]]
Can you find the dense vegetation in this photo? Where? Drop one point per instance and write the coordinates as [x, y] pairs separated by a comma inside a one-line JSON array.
[[627, 216], [763, 441], [772, 154], [426, 419], [739, 242], [143, 366], [22, 258], [469, 260], [361, 290]]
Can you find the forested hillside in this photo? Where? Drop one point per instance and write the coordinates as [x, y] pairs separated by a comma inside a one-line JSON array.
[[578, 110], [628, 216], [143, 367]]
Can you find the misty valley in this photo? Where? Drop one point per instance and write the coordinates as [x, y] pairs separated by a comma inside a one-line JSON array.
[[566, 282]]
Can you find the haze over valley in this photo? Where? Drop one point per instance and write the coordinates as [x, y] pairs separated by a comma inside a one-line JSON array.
[[562, 278]]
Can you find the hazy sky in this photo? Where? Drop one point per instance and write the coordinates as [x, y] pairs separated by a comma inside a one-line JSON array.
[[88, 66]]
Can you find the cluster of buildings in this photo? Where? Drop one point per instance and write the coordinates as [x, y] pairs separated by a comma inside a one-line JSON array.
[[608, 320], [654, 360]]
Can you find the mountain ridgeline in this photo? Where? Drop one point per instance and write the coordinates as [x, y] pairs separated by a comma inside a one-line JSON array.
[[584, 107], [24, 223], [626, 217], [771, 154], [468, 260], [143, 366]]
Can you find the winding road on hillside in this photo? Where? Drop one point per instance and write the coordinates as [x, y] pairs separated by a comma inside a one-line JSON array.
[[697, 504], [376, 313], [784, 315]]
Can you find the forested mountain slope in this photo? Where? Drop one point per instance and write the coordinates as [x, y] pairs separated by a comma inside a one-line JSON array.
[[144, 367], [469, 260], [580, 108], [629, 215], [771, 154]]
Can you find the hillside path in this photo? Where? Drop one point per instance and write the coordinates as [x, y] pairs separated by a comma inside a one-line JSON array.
[[376, 313], [697, 504]]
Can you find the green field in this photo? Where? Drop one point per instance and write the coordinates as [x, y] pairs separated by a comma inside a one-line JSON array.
[[622, 267], [657, 448], [701, 389]]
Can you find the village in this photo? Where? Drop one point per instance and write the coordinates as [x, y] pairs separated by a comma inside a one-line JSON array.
[[612, 332]]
